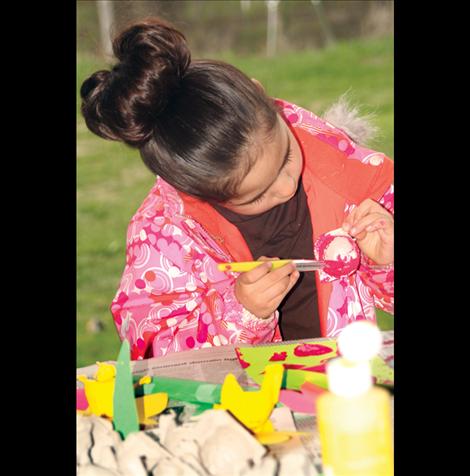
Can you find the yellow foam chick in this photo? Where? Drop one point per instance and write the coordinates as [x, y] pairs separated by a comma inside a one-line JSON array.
[[150, 405], [99, 391], [253, 408]]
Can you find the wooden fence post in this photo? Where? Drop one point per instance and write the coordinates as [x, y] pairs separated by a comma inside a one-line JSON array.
[[106, 18], [272, 27], [324, 23]]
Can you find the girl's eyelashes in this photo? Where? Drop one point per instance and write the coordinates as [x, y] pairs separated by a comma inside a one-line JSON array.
[[288, 157], [258, 200]]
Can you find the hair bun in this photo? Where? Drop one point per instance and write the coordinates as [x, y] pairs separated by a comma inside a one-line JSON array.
[[124, 104], [94, 84]]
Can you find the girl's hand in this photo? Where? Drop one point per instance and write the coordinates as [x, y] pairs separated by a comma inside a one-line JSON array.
[[261, 290], [372, 226]]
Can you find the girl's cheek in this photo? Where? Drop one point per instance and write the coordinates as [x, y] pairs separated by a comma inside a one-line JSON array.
[[300, 162], [286, 187], [295, 170]]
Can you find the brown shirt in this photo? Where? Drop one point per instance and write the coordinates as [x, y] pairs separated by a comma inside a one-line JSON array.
[[285, 231]]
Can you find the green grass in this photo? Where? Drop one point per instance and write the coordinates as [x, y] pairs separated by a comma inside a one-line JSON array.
[[112, 180], [385, 321]]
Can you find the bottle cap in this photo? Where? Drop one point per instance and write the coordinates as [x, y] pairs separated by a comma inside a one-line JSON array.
[[350, 375], [348, 379], [360, 341]]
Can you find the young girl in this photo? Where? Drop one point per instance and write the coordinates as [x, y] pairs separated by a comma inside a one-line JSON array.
[[240, 176]]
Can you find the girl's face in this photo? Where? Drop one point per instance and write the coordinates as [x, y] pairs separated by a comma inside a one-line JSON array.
[[274, 178]]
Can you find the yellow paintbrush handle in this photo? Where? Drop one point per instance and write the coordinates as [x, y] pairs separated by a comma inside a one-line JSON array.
[[242, 266]]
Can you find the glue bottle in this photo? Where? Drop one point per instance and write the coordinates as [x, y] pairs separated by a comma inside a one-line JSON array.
[[354, 418]]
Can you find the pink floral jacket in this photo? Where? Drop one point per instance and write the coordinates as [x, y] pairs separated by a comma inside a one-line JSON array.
[[172, 297]]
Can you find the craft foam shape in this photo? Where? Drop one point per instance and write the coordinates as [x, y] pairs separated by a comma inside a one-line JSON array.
[[296, 377], [275, 437], [82, 402], [99, 390], [297, 401], [125, 418], [185, 390], [254, 359], [253, 409], [311, 389], [151, 405], [381, 371], [145, 380]]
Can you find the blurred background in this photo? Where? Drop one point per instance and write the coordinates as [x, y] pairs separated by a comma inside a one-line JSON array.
[[308, 52]]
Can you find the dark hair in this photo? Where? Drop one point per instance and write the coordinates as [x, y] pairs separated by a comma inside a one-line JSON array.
[[191, 120]]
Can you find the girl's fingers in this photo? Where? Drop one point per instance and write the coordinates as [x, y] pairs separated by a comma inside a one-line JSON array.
[[373, 219], [372, 226], [365, 208], [349, 220], [263, 272], [380, 224], [250, 277], [293, 279], [262, 289], [279, 275], [266, 258], [274, 292], [281, 288], [361, 236], [359, 211], [386, 235]]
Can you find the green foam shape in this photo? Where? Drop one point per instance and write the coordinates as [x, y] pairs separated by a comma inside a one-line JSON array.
[[125, 418]]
